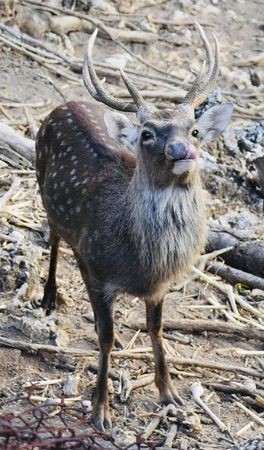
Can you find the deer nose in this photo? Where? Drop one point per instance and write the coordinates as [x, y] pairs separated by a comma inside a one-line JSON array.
[[176, 151]]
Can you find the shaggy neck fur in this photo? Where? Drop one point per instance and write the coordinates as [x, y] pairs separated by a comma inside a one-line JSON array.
[[166, 223]]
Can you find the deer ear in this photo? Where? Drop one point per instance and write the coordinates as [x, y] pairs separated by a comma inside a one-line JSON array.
[[214, 121], [121, 129]]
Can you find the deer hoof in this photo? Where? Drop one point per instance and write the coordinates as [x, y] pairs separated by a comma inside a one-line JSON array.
[[101, 420], [172, 397], [49, 301]]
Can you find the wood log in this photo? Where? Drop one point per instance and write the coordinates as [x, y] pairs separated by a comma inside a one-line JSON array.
[[247, 255], [217, 326], [65, 24], [15, 141], [234, 276], [259, 163]]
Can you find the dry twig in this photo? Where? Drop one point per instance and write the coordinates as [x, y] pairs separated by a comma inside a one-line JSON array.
[[197, 391], [132, 354]]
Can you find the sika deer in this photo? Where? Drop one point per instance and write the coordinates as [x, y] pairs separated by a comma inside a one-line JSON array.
[[128, 200]]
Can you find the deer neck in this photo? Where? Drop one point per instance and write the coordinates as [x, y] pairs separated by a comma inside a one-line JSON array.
[[166, 222]]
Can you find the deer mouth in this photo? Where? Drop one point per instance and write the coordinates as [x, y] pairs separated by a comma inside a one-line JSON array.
[[184, 162], [183, 165]]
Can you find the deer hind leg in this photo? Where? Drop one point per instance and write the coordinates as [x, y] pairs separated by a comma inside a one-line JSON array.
[[49, 299], [162, 376]]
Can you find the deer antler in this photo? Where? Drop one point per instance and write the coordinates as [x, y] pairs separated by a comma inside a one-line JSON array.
[[96, 90], [204, 82]]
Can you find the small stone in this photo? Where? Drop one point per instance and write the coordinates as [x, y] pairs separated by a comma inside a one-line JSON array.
[[70, 387], [89, 316], [18, 235], [86, 404]]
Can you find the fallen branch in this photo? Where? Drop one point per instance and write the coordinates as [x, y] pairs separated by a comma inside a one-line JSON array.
[[125, 354], [200, 326], [21, 145], [250, 413], [151, 427], [197, 392], [247, 255], [65, 24], [259, 163], [129, 385], [234, 276], [172, 95], [232, 388], [257, 60], [171, 435], [100, 25], [228, 290]]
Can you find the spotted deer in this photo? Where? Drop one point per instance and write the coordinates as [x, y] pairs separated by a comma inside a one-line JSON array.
[[127, 198]]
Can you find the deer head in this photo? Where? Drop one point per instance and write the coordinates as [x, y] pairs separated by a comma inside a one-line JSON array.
[[167, 142]]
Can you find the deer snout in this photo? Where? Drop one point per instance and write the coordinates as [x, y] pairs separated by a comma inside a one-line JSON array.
[[180, 151]]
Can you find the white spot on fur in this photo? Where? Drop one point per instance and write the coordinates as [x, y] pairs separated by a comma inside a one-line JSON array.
[[43, 130]]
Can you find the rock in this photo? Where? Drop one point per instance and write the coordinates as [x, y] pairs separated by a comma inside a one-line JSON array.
[[118, 60], [258, 295], [101, 5], [255, 79], [215, 98], [254, 443], [239, 77], [61, 338], [246, 140], [36, 330], [246, 220], [207, 162], [89, 316], [70, 387], [87, 405], [18, 235], [31, 22]]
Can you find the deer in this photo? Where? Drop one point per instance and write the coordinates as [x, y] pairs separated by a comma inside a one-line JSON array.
[[127, 197]]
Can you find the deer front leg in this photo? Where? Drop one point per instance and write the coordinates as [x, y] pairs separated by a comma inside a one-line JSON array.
[[49, 299], [162, 376], [103, 312]]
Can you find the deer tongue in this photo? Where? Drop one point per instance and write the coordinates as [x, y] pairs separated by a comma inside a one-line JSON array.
[[191, 152]]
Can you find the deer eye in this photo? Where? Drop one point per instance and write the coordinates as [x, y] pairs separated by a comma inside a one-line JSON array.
[[147, 135], [195, 132]]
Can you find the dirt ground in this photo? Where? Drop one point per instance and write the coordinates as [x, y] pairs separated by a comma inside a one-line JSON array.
[[30, 89]]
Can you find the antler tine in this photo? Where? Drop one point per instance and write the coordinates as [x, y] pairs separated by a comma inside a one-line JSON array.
[[134, 92], [86, 77], [94, 86], [202, 87], [207, 47], [208, 86]]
